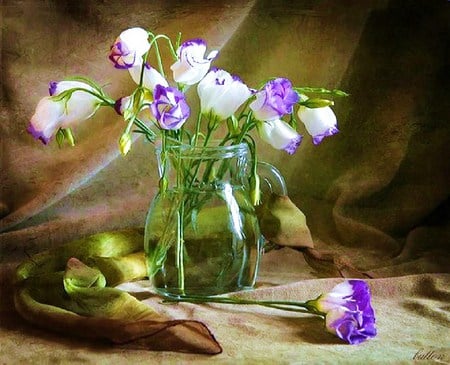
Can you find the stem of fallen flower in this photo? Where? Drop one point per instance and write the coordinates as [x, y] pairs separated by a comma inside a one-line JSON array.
[[301, 307]]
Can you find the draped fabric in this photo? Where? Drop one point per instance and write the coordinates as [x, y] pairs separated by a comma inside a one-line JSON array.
[[376, 194]]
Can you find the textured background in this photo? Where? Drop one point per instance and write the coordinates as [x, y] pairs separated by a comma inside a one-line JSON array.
[[378, 192]]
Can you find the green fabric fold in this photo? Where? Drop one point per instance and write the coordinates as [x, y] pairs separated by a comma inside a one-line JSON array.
[[57, 290]]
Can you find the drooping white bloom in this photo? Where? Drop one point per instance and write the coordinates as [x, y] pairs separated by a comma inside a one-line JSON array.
[[319, 122], [129, 47], [191, 66], [279, 135], [222, 93], [151, 76], [50, 114]]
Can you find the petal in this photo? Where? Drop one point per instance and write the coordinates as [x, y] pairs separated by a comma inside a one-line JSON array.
[[344, 324], [129, 48], [46, 119], [136, 40], [335, 298], [222, 93], [151, 76], [191, 66], [212, 55], [56, 88], [79, 107], [279, 135], [193, 48]]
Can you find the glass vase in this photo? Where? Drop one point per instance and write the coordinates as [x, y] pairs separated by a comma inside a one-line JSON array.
[[201, 234]]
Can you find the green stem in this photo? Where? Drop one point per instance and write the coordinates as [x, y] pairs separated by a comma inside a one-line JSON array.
[[68, 93], [180, 247], [146, 130], [302, 307], [169, 41], [197, 129], [158, 58]]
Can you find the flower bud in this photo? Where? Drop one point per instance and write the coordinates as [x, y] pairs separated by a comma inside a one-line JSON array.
[[163, 184], [125, 143], [255, 190], [69, 136]]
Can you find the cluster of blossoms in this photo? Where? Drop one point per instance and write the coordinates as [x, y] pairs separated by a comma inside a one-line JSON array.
[[347, 309], [221, 95]]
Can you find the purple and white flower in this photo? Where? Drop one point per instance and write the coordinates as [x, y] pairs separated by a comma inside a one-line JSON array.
[[222, 93], [50, 114], [129, 47], [276, 99], [169, 107], [192, 65], [319, 122], [151, 76], [122, 104], [348, 311], [279, 135]]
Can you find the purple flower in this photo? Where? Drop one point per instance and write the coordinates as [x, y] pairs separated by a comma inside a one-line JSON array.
[[169, 107], [50, 114], [221, 93], [191, 66], [348, 311], [279, 135], [319, 122], [275, 100], [129, 47]]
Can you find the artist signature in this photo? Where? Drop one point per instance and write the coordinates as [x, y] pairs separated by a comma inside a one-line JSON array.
[[434, 355]]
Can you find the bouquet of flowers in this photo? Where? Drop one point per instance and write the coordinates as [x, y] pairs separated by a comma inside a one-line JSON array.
[[158, 109], [193, 180]]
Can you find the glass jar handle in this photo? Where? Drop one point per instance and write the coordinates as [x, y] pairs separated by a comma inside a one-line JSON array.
[[271, 179]]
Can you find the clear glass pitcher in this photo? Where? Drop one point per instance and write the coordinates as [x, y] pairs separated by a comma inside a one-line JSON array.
[[201, 234]]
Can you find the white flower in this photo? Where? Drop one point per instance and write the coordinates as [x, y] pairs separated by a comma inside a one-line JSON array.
[[129, 47], [279, 135], [319, 122], [50, 115], [191, 66], [221, 93], [151, 77]]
